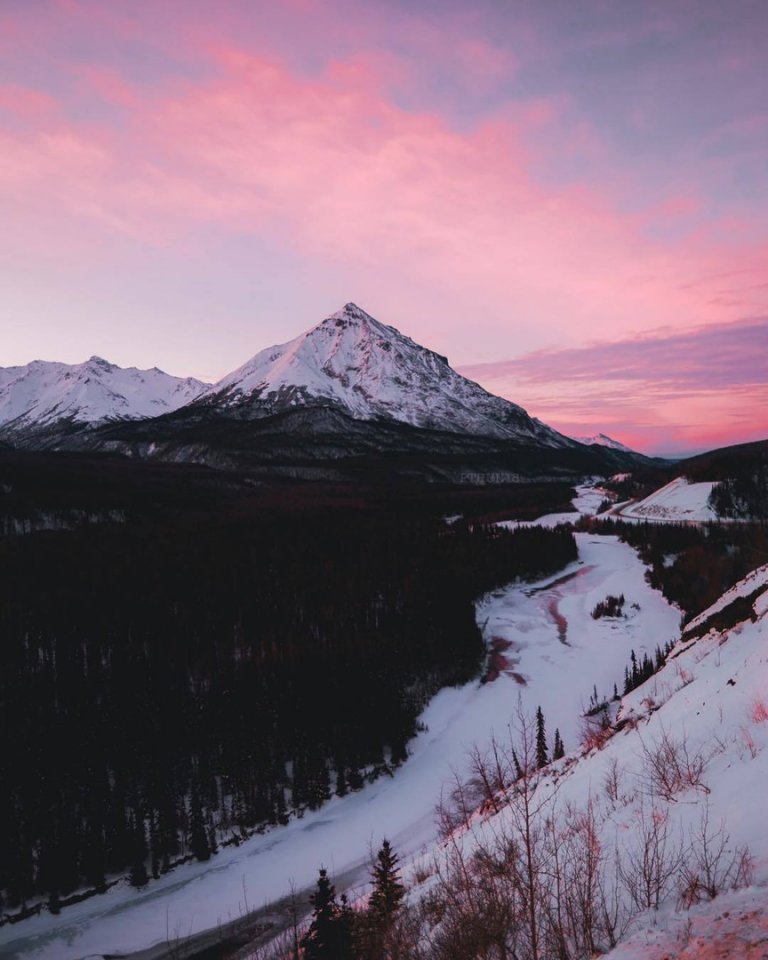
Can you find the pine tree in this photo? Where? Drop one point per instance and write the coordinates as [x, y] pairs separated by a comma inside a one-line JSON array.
[[388, 891], [345, 930], [559, 750], [198, 840], [542, 753], [138, 876], [329, 933]]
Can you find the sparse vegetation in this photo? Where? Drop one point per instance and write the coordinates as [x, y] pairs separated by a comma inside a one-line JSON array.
[[536, 879], [706, 560], [610, 607]]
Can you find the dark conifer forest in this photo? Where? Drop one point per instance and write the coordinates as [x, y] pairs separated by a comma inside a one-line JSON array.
[[175, 682]]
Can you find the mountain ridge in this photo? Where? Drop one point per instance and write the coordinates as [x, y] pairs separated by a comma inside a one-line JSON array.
[[42, 394]]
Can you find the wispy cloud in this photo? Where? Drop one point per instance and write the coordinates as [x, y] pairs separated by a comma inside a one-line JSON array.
[[661, 391], [491, 178]]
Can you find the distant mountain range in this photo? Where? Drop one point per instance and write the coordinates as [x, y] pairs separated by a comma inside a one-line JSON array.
[[42, 394], [346, 391]]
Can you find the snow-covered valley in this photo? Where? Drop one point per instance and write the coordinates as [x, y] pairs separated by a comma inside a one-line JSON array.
[[552, 653]]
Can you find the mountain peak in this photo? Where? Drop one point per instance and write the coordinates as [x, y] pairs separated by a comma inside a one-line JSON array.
[[371, 371], [602, 440], [99, 363], [350, 315], [351, 311]]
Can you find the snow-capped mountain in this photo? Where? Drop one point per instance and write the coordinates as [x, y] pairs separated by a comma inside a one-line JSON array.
[[603, 441], [43, 394], [371, 371]]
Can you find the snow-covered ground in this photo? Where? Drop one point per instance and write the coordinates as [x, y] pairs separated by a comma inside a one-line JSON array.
[[734, 926], [690, 756], [678, 501], [587, 500], [555, 653]]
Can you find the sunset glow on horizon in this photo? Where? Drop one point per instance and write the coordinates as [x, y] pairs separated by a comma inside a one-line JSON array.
[[569, 201]]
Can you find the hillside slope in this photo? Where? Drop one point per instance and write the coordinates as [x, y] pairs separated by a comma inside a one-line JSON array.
[[662, 806]]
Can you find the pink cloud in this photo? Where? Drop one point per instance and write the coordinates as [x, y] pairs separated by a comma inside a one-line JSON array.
[[25, 102], [330, 166], [108, 84], [664, 391], [333, 158]]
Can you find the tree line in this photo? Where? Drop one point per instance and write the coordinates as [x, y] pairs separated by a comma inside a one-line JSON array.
[[691, 565]]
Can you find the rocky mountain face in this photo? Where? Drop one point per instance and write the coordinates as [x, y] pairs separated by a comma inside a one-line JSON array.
[[370, 371]]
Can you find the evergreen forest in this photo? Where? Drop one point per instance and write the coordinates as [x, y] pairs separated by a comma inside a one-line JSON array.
[[174, 683]]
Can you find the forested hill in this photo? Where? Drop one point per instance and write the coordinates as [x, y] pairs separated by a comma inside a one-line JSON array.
[[741, 473], [167, 685]]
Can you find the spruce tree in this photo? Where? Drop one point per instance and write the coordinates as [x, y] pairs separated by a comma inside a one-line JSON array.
[[198, 840], [138, 876], [329, 933], [559, 750], [542, 753], [388, 891]]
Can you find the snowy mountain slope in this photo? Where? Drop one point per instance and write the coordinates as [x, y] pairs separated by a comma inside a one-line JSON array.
[[371, 372], [603, 441], [677, 501], [43, 394], [673, 794]]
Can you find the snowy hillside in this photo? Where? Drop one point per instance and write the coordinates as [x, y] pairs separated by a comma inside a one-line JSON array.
[[371, 372], [44, 393], [663, 807], [678, 501], [603, 441]]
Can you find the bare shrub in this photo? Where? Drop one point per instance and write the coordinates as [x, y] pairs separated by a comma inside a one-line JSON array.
[[612, 781], [670, 766], [712, 864], [492, 771], [649, 867], [589, 915], [595, 733], [422, 872], [475, 911], [458, 801]]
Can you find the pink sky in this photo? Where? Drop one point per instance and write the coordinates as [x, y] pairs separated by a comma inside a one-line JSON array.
[[185, 183]]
